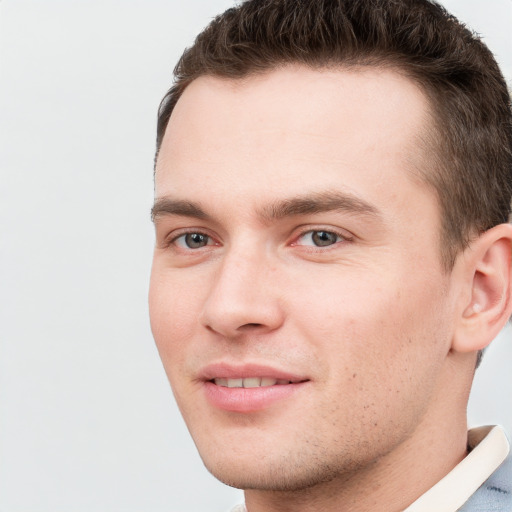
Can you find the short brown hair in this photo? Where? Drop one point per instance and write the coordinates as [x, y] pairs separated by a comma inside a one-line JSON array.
[[470, 156]]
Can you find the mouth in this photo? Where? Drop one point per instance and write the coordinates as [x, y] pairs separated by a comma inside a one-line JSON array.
[[249, 388], [251, 382]]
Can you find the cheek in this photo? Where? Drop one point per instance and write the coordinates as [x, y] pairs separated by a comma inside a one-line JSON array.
[[379, 359], [380, 329], [173, 316]]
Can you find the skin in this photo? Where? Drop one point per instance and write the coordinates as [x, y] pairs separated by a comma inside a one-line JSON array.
[[369, 320]]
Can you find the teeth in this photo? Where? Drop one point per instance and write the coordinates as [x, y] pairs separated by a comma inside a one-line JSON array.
[[235, 383], [250, 382]]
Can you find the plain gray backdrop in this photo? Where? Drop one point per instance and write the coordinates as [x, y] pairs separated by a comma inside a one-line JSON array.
[[87, 419]]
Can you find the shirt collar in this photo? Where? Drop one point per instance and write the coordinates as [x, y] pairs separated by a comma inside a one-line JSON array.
[[488, 447]]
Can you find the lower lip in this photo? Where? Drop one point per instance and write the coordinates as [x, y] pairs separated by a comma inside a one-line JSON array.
[[248, 399]]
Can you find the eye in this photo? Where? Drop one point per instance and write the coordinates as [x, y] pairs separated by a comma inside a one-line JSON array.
[[319, 238], [193, 241]]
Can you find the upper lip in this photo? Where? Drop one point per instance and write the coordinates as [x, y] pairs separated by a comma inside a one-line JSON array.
[[237, 371]]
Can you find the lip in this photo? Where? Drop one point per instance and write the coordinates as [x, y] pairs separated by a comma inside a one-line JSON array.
[[236, 371], [246, 400]]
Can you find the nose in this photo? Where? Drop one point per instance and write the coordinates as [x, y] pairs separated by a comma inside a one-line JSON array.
[[244, 297]]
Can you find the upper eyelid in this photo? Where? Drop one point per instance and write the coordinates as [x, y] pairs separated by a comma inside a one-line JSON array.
[[337, 233], [166, 238], [297, 241], [343, 233], [212, 240], [172, 234]]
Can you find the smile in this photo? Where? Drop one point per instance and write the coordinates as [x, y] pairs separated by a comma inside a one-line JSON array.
[[248, 388], [250, 382]]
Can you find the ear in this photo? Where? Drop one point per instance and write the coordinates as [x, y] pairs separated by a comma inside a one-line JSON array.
[[487, 303]]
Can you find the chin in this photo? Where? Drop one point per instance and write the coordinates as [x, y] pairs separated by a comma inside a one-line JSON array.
[[289, 473]]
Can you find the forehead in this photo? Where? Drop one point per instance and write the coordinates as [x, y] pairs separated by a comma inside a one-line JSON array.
[[294, 128]]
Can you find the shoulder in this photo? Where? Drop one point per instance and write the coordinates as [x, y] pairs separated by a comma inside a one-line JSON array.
[[495, 494]]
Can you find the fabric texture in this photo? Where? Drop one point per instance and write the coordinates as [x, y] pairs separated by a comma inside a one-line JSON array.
[[495, 494]]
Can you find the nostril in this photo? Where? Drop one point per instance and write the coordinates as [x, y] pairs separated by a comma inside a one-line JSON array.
[[250, 325]]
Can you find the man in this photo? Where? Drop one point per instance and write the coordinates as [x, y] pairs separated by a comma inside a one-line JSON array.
[[333, 189]]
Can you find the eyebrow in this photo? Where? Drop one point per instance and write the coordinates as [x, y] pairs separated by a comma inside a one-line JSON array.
[[318, 203], [309, 204], [168, 206]]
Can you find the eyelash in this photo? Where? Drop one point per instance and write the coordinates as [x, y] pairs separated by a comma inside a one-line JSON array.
[[340, 237], [173, 239]]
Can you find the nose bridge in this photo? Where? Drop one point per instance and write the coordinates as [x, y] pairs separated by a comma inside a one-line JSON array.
[[242, 294]]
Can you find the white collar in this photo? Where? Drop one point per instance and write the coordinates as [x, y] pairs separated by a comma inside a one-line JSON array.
[[489, 448]]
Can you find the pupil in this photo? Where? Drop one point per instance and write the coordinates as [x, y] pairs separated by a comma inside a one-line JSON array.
[[324, 238], [195, 240]]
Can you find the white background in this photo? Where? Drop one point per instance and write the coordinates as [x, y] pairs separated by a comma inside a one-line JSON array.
[[87, 420]]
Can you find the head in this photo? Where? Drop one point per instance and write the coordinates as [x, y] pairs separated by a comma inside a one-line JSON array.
[[332, 183]]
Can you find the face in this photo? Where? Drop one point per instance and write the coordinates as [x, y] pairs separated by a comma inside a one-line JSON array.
[[297, 297]]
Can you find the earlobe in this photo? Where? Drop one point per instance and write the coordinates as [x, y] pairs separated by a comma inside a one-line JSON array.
[[489, 264]]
